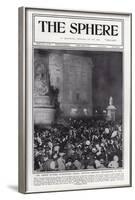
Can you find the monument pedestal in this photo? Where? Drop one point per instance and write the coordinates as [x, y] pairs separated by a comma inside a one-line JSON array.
[[44, 112]]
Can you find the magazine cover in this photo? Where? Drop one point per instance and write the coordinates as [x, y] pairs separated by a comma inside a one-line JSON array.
[[74, 100]]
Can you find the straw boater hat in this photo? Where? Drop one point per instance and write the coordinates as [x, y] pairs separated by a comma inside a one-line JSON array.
[[94, 150], [88, 142]]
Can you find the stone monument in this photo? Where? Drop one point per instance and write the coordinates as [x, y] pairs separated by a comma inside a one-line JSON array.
[[62, 86], [44, 111], [111, 110], [77, 86], [71, 74]]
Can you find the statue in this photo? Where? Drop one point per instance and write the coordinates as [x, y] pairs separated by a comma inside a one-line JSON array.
[[111, 110], [41, 82], [41, 87], [110, 101], [43, 90], [44, 108]]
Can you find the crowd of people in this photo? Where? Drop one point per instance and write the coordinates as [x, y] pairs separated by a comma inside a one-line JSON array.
[[80, 144]]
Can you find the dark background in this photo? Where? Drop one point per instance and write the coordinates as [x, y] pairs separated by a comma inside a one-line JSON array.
[[107, 79], [107, 76]]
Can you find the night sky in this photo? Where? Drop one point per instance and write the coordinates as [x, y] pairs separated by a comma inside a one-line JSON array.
[[107, 79]]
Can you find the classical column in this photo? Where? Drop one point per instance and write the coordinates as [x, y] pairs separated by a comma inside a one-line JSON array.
[[77, 85]]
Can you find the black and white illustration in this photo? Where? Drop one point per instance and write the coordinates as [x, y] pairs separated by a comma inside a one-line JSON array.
[[77, 110], [74, 100]]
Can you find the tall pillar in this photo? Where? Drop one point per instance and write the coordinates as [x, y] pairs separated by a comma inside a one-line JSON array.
[[77, 85]]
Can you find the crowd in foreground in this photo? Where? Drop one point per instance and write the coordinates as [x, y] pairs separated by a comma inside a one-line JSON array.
[[81, 144]]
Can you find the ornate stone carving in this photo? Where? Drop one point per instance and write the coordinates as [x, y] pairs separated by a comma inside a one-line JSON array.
[[41, 82]]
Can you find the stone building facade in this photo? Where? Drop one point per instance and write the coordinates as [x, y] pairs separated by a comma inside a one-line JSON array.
[[71, 75]]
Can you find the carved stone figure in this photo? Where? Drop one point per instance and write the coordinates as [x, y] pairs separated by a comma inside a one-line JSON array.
[[110, 101], [111, 110], [41, 83]]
